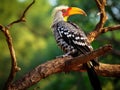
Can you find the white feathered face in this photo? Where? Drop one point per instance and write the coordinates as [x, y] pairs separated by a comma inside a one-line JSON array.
[[68, 11]]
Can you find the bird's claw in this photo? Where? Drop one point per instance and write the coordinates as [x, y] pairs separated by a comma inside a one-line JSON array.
[[62, 56]]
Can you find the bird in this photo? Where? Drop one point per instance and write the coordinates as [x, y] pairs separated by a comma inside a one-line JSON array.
[[73, 40]]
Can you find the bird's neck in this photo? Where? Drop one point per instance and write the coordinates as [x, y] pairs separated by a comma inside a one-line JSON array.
[[58, 17]]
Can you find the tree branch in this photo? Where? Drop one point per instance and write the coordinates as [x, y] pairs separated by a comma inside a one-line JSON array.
[[111, 28], [99, 29], [5, 30], [22, 18], [101, 6], [106, 70], [94, 34], [14, 67], [59, 65]]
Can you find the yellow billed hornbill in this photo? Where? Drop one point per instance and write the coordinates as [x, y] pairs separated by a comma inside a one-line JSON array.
[[72, 40]]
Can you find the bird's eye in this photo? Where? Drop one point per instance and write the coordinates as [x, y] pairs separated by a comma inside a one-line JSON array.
[[63, 10]]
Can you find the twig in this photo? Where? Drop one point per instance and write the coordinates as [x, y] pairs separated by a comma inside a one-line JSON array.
[[22, 18], [111, 28], [5, 30], [58, 65]]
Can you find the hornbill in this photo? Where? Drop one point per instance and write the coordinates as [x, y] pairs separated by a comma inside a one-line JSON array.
[[72, 40]]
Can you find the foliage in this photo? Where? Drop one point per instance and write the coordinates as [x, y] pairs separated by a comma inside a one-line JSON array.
[[35, 44]]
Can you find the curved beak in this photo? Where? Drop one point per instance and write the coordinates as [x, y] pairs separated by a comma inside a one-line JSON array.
[[75, 10]]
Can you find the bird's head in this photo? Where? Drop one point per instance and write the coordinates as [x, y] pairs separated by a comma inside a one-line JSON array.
[[68, 11]]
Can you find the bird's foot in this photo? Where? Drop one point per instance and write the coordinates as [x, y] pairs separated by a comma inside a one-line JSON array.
[[62, 56]]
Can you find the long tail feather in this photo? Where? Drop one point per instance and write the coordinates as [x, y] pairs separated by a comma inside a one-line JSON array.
[[93, 77]]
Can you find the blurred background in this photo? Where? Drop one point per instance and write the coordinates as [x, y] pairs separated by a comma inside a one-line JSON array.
[[34, 42]]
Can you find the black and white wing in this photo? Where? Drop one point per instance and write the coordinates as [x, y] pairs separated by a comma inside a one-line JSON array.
[[74, 36]]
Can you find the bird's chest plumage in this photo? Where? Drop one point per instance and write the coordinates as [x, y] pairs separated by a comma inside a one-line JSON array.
[[60, 31], [69, 37]]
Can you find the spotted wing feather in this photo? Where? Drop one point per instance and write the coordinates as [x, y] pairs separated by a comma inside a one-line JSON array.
[[74, 36]]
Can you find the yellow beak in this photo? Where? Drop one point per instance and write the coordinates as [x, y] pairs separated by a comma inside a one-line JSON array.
[[75, 10]]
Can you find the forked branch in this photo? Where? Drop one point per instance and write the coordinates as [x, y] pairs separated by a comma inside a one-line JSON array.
[[103, 17], [5, 30]]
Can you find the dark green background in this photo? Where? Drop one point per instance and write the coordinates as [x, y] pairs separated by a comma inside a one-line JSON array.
[[34, 42]]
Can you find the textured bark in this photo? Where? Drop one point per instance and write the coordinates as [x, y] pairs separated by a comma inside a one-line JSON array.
[[57, 66], [61, 64]]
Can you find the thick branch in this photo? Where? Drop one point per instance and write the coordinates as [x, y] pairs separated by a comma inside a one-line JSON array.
[[90, 56], [107, 70], [58, 65]]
